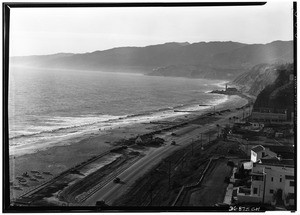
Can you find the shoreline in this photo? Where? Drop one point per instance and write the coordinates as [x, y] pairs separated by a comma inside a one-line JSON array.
[[100, 126], [60, 158]]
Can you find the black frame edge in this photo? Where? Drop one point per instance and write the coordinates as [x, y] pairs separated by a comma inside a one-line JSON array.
[[5, 41], [295, 91], [5, 58], [132, 4]]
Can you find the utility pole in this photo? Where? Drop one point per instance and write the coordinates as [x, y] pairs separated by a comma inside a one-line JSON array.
[[151, 189], [192, 148], [182, 161], [264, 191], [169, 174], [151, 195], [218, 126], [250, 109], [201, 142]]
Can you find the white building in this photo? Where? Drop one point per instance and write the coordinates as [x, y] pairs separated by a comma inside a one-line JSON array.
[[259, 152], [272, 181]]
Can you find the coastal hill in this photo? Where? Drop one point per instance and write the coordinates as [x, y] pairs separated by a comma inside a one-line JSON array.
[[216, 60], [257, 78], [281, 93], [264, 77]]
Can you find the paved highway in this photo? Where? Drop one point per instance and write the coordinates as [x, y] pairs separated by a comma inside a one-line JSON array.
[[111, 191]]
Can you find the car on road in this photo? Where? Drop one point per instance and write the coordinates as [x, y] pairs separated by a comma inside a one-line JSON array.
[[101, 203], [117, 180]]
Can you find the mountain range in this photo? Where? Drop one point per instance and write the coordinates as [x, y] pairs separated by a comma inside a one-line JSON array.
[[214, 60]]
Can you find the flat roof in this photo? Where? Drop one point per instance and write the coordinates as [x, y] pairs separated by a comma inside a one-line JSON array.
[[258, 148], [277, 162], [279, 149]]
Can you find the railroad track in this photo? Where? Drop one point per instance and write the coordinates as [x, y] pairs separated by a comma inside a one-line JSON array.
[[61, 175]]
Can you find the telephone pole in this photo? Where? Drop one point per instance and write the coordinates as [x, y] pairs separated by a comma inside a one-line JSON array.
[[201, 142], [169, 173], [192, 148], [151, 190]]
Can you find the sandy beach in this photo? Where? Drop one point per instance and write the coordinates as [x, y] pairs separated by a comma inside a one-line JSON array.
[[57, 159]]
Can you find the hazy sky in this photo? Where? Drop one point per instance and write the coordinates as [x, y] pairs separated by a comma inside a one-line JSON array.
[[35, 31]]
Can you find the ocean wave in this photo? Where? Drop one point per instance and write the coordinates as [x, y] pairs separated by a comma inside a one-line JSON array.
[[55, 130], [71, 123]]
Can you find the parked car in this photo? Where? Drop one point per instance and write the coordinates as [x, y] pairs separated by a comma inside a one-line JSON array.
[[117, 180]]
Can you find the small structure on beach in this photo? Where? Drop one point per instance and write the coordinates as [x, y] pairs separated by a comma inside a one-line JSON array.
[[138, 140], [230, 89], [227, 91]]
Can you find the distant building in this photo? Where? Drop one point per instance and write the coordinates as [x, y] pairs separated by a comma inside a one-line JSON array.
[[268, 115], [230, 89], [252, 126], [259, 152], [284, 152]]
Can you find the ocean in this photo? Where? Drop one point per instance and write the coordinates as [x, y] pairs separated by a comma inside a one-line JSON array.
[[48, 106]]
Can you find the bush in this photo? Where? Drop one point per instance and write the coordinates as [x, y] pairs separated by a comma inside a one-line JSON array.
[[175, 185], [230, 163], [227, 179]]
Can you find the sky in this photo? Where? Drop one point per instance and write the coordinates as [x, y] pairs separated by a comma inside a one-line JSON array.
[[41, 31]]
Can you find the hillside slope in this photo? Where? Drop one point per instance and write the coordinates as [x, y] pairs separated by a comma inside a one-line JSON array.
[[281, 93], [219, 60], [257, 78]]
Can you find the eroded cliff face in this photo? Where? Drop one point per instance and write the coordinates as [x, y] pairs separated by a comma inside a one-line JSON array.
[[257, 78], [281, 93]]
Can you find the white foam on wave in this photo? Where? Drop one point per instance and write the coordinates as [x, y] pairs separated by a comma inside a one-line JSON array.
[[58, 124], [74, 128]]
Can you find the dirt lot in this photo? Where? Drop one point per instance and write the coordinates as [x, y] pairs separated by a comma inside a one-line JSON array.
[[213, 187]]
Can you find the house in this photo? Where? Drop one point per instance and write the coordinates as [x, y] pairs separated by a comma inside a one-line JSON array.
[[284, 152], [272, 182], [255, 126], [269, 115], [259, 152], [231, 89]]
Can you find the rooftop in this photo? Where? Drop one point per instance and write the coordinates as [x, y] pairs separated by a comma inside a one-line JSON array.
[[285, 152], [277, 162], [278, 149], [258, 148]]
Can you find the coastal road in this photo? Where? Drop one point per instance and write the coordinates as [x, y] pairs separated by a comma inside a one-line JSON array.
[[111, 191]]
